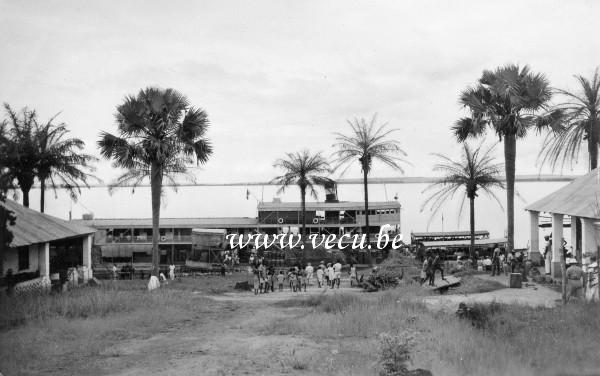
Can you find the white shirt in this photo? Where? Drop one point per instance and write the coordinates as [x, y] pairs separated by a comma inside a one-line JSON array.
[[337, 267]]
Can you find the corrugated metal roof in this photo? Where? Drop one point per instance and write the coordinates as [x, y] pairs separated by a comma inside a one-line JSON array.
[[342, 205], [580, 198], [463, 243], [222, 222], [33, 227], [449, 233]]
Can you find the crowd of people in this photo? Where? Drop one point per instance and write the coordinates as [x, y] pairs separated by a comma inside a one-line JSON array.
[[298, 278]]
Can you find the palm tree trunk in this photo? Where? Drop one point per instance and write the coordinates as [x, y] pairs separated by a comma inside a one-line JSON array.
[[593, 145], [303, 200], [42, 194], [472, 223], [155, 188], [25, 192], [510, 151], [366, 186]]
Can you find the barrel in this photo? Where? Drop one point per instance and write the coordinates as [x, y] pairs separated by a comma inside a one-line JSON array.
[[515, 280]]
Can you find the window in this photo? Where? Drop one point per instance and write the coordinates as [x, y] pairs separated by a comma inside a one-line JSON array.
[[23, 258]]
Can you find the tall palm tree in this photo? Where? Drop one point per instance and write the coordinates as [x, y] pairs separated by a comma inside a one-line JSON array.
[[580, 120], [475, 172], [365, 144], [21, 151], [160, 134], [508, 100], [305, 170], [61, 162]]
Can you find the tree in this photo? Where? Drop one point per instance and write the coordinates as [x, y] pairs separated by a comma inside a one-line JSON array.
[[7, 217], [160, 134], [580, 123], [20, 150], [61, 160], [507, 100], [475, 172], [365, 144], [304, 170]]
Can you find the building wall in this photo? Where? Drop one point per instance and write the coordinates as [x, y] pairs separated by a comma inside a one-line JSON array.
[[11, 260]]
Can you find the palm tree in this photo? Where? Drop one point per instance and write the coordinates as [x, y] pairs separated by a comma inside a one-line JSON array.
[[305, 170], [506, 100], [20, 150], [580, 120], [61, 160], [7, 217], [475, 172], [365, 144], [160, 134]]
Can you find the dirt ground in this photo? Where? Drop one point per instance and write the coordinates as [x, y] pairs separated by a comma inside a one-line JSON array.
[[232, 343]]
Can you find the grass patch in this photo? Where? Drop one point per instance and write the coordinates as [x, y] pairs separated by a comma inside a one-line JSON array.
[[74, 330], [510, 340]]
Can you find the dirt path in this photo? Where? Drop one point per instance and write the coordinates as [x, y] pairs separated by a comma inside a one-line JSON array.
[[233, 341]]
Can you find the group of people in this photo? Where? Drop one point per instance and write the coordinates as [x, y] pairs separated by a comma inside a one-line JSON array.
[[431, 264], [266, 278], [500, 261]]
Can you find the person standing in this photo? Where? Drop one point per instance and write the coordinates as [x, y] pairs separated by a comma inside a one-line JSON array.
[[337, 274], [320, 276], [280, 279], [309, 273], [171, 272], [574, 280], [548, 254], [437, 265], [353, 277], [496, 261]]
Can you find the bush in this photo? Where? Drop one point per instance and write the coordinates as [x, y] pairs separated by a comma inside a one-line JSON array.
[[480, 315], [395, 355]]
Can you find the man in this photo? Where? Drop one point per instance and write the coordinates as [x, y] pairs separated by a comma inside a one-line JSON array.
[[337, 274], [437, 265], [309, 273], [548, 254], [574, 282], [512, 261], [496, 261]]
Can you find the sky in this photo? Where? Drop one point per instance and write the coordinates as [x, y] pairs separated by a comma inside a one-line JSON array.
[[280, 76]]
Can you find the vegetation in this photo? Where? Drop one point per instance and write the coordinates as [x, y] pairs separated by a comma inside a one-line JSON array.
[[7, 217], [305, 170], [367, 143], [20, 150], [61, 160], [508, 100], [580, 123], [160, 134], [475, 172], [42, 151]]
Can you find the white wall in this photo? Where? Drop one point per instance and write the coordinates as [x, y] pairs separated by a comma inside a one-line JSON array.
[[11, 260]]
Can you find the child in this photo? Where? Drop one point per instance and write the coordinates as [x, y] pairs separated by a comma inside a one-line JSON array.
[[295, 282], [303, 281], [319, 276], [280, 279], [353, 275], [256, 283], [290, 276], [330, 275]]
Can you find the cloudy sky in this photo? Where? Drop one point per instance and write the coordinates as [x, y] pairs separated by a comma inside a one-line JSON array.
[[277, 76]]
